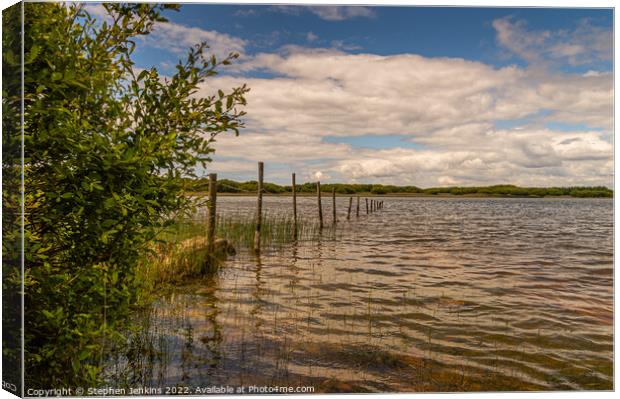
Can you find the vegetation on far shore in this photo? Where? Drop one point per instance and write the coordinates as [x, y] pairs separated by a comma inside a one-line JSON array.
[[503, 190]]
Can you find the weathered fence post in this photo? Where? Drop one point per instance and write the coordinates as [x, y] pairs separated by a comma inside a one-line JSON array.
[[259, 210], [334, 205], [366, 205], [318, 196], [349, 210], [357, 210], [294, 188], [211, 220]]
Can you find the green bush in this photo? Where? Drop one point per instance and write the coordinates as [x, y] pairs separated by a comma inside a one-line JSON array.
[[106, 150], [11, 199]]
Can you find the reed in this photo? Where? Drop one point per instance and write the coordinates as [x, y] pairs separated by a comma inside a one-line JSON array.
[[173, 262], [276, 231], [182, 251]]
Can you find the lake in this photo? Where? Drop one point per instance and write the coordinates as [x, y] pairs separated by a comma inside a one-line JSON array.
[[426, 294]]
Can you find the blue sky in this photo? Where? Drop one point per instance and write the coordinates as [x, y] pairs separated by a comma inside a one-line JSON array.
[[431, 96], [429, 31]]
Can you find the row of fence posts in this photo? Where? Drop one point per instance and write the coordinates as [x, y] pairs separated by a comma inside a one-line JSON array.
[[371, 207]]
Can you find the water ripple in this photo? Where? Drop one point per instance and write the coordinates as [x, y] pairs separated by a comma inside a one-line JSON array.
[[425, 295]]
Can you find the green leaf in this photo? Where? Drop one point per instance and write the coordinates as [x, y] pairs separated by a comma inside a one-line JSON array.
[[32, 54], [143, 74]]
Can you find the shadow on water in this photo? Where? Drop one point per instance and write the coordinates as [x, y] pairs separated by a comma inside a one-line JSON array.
[[427, 295]]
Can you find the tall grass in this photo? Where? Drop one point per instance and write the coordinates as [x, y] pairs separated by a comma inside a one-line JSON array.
[[171, 262], [239, 229], [181, 252], [276, 230]]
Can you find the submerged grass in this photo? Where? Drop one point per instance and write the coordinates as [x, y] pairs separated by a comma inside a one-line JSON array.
[[276, 231], [173, 262], [181, 252]]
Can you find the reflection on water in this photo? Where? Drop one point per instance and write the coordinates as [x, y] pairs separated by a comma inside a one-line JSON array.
[[424, 295]]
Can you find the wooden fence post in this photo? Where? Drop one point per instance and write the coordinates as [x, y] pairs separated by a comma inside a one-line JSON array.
[[259, 210], [366, 205], [349, 211], [318, 196], [294, 208], [334, 205], [211, 221], [357, 210]]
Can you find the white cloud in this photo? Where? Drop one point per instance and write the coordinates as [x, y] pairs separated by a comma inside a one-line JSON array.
[[447, 105], [178, 38], [342, 45], [329, 92], [339, 13], [446, 181], [526, 157], [311, 37], [328, 13], [584, 45], [246, 12]]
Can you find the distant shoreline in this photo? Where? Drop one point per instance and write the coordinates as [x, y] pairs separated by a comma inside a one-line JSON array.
[[231, 187], [325, 194]]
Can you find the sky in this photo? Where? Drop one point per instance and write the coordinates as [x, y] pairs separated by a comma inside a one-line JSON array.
[[425, 96]]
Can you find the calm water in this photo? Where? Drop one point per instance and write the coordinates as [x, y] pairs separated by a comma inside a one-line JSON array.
[[427, 294]]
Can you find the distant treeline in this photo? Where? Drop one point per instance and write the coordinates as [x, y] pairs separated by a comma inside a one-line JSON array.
[[230, 186]]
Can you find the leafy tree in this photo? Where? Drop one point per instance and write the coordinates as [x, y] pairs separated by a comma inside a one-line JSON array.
[[106, 149], [379, 189], [11, 199]]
